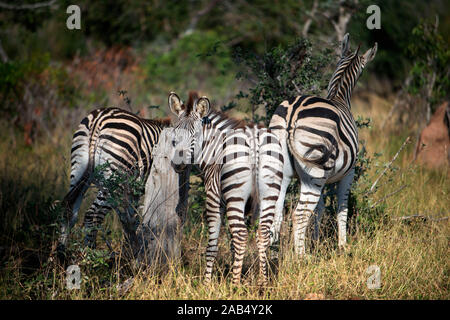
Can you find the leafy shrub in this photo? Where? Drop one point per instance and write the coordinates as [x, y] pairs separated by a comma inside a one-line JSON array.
[[32, 91], [430, 71], [193, 58], [124, 189], [281, 73]]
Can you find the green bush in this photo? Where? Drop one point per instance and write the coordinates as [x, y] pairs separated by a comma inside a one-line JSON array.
[[191, 60], [282, 72], [431, 56]]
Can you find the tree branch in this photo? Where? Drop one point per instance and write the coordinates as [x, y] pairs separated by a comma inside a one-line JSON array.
[[389, 164], [27, 6], [194, 20], [419, 216], [3, 54], [308, 22], [388, 195]]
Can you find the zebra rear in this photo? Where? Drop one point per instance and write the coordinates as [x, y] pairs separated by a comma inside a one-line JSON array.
[[109, 136], [320, 138]]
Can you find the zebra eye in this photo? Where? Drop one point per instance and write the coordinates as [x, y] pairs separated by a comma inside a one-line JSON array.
[[174, 143]]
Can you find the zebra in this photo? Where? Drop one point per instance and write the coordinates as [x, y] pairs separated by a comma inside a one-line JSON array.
[[110, 136], [242, 167], [320, 144]]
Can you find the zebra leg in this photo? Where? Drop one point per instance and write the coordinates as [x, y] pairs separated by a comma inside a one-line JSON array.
[[310, 194], [94, 218], [288, 173], [130, 221], [263, 240], [71, 217], [276, 226], [239, 234], [270, 187], [317, 217], [342, 193], [269, 198], [71, 206], [214, 220]]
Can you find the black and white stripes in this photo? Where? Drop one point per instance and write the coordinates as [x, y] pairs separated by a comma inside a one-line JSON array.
[[242, 165], [320, 144], [107, 135]]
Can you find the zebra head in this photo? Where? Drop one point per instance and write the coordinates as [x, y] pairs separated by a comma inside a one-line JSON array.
[[349, 68], [187, 134], [358, 61]]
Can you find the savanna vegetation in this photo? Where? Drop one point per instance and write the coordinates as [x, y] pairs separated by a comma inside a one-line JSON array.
[[246, 57]]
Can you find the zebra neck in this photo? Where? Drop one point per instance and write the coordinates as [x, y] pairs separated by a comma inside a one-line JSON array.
[[342, 95], [214, 135], [211, 146], [342, 103], [341, 85]]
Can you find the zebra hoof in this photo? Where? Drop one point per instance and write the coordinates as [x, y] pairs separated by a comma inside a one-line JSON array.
[[207, 281], [274, 239], [262, 289], [273, 254], [262, 283]]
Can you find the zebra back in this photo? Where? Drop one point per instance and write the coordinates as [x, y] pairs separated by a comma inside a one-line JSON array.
[[115, 135]]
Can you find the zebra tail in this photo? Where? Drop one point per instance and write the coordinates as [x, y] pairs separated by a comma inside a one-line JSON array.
[[85, 177], [254, 196], [316, 162]]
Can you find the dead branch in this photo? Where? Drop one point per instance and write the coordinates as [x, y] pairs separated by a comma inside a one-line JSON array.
[[388, 195], [419, 217], [311, 16], [389, 164], [3, 54], [398, 97], [195, 19], [296, 87], [27, 6], [340, 19]]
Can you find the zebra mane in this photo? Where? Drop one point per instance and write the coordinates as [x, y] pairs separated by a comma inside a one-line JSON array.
[[163, 123], [345, 65], [227, 122], [189, 106]]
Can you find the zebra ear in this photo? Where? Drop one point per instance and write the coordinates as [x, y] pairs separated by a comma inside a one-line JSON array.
[[345, 45], [175, 104], [202, 106], [370, 54]]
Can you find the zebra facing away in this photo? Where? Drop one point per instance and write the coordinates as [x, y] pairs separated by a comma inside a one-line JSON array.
[[320, 144], [106, 135], [242, 166]]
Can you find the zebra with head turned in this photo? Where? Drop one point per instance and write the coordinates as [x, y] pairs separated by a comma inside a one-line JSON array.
[[320, 144], [241, 164], [108, 135]]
